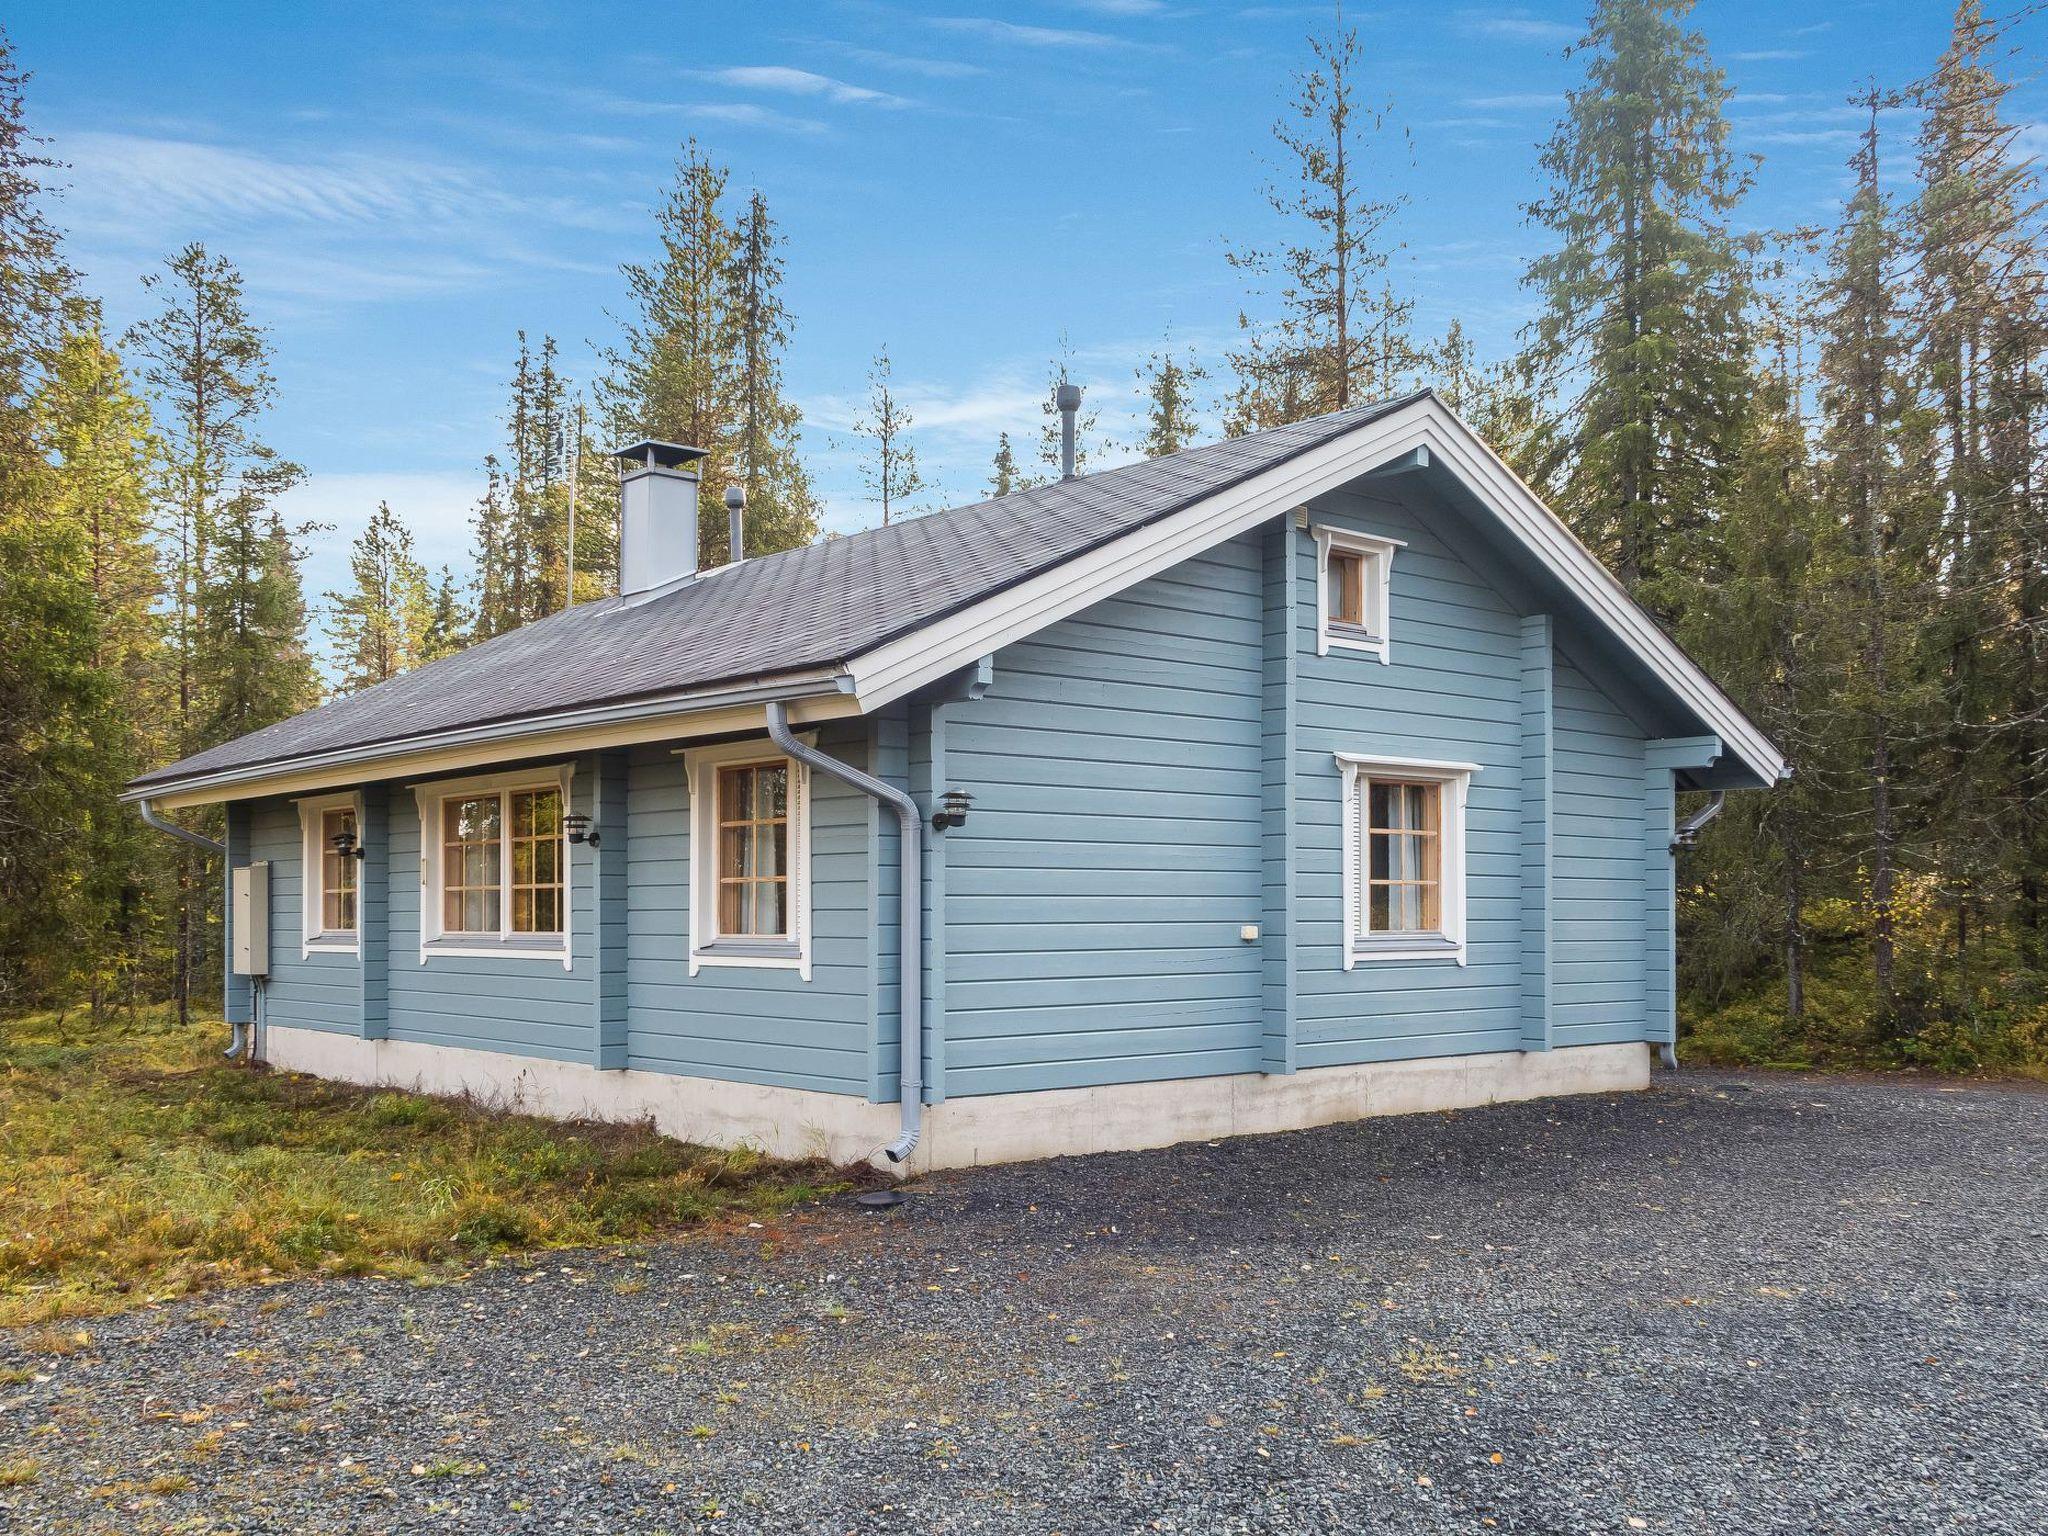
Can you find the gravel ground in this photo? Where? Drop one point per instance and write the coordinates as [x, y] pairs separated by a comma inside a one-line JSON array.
[[1730, 1304]]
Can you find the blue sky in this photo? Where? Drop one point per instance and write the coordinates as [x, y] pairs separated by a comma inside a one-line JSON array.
[[405, 186]]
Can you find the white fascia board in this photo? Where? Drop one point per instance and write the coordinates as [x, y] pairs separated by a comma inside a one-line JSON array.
[[890, 671], [813, 695]]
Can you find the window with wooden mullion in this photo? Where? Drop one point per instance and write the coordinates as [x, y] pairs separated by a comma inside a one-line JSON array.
[[536, 860], [1404, 867], [337, 873], [753, 851], [1345, 573]]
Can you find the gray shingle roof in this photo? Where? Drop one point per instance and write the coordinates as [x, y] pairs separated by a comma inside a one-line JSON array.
[[802, 609]]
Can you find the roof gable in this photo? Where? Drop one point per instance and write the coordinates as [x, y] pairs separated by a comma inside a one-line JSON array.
[[880, 613]]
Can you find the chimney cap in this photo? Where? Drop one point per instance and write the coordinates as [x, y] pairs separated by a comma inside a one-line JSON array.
[[1067, 397], [735, 498], [661, 455]]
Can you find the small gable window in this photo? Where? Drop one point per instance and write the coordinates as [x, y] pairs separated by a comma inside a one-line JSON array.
[[1404, 858], [1354, 581], [750, 899]]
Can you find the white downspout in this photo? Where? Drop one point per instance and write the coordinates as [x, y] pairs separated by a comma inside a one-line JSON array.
[[910, 821], [152, 817]]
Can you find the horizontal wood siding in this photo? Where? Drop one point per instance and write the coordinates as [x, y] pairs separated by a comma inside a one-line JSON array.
[[756, 1026], [1094, 899], [530, 1007], [316, 991], [1452, 691], [1597, 868]]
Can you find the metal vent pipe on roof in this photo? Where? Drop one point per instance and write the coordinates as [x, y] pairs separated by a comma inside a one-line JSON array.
[[1068, 399], [736, 522]]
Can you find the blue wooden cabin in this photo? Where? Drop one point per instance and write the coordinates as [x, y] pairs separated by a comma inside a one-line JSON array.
[[1308, 776]]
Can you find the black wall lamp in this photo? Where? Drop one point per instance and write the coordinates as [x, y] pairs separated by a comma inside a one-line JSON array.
[[578, 826], [952, 811], [346, 845]]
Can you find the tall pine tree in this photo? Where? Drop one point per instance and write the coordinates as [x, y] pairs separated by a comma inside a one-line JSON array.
[[236, 609], [381, 623], [1640, 351], [1331, 340]]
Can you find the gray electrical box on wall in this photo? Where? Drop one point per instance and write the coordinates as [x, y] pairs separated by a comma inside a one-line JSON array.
[[250, 920]]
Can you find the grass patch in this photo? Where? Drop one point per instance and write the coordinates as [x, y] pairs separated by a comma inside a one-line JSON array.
[[137, 1165]]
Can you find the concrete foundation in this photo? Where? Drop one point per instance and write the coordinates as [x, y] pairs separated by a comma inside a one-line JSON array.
[[963, 1132]]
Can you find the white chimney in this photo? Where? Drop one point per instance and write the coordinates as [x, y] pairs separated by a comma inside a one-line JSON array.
[[657, 514]]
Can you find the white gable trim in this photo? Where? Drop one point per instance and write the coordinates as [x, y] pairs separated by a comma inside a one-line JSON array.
[[890, 671]]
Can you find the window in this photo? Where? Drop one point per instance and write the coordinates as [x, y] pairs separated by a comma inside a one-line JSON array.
[[1354, 579], [329, 908], [338, 870], [495, 866], [749, 867], [1404, 858], [753, 850]]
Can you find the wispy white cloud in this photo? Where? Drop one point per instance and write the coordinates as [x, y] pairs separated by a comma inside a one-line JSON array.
[[1515, 26], [1769, 55], [1029, 37], [1514, 101], [801, 82], [738, 114], [318, 229], [910, 64], [1119, 7]]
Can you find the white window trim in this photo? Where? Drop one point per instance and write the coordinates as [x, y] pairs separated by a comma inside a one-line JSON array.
[[313, 937], [1378, 553], [701, 764], [434, 943], [1359, 769]]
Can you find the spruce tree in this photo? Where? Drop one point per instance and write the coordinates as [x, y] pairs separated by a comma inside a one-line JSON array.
[[1982, 326], [1332, 341], [1640, 350], [96, 437], [890, 469], [1004, 476], [235, 608], [449, 623], [1168, 386], [782, 511], [381, 624], [700, 357], [1877, 451], [48, 684]]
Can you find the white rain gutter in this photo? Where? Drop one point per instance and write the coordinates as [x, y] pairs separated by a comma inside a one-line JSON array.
[[910, 821]]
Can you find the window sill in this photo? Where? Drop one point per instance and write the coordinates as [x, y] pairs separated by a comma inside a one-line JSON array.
[[1350, 638], [478, 946], [1404, 947], [329, 944], [761, 956]]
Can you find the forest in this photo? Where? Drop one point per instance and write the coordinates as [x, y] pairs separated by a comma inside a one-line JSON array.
[[1816, 455]]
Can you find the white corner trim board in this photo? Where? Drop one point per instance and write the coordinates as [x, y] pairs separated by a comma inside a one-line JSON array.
[[963, 1132]]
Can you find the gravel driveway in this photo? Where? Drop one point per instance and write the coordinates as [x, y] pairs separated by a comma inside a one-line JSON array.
[[1727, 1305]]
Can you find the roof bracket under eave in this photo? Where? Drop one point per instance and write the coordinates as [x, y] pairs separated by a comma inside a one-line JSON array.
[[1406, 464]]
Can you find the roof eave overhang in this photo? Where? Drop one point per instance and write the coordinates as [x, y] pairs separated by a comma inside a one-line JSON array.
[[1423, 432], [813, 695]]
